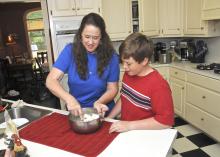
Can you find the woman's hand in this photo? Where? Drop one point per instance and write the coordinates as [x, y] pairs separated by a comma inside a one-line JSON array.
[[120, 126], [75, 108], [101, 108]]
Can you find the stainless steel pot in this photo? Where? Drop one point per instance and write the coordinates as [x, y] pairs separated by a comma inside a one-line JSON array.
[[81, 126]]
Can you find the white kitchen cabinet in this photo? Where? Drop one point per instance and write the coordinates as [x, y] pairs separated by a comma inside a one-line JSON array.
[[203, 120], [177, 85], [202, 103], [117, 16], [178, 93], [193, 23], [148, 17], [73, 7], [170, 17], [211, 10]]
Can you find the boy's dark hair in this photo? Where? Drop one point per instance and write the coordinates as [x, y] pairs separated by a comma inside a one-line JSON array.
[[137, 46]]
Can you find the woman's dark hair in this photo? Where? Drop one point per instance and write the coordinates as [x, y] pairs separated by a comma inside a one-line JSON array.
[[104, 51], [137, 46]]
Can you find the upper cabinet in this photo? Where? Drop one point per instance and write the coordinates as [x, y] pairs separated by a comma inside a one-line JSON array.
[[193, 23], [148, 17], [211, 10], [73, 7], [117, 16], [170, 17]]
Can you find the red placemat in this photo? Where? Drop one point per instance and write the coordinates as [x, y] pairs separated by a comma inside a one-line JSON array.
[[54, 130]]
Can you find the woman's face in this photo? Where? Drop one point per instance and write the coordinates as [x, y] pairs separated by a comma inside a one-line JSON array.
[[91, 36]]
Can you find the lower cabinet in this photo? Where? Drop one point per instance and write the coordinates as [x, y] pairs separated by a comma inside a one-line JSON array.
[[203, 120], [178, 93], [202, 103]]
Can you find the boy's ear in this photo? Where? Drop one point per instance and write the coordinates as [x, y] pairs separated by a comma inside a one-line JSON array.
[[145, 61]]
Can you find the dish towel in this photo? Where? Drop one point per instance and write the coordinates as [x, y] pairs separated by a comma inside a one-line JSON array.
[[54, 130]]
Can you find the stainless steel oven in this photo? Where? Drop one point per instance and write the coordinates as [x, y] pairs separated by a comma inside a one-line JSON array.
[[65, 30]]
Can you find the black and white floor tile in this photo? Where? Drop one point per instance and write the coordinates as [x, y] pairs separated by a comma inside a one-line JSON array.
[[192, 142]]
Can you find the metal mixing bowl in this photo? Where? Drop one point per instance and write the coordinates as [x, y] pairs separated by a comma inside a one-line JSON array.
[[83, 127]]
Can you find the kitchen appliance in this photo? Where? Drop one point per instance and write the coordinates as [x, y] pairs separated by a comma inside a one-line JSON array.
[[213, 66], [159, 48], [64, 32], [184, 53], [198, 51], [165, 58]]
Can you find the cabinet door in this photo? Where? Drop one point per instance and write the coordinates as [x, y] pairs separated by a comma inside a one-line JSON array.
[[84, 7], [170, 17], [62, 8], [211, 10], [193, 23], [178, 94], [117, 16], [148, 17]]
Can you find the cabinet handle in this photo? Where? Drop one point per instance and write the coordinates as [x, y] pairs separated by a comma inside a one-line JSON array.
[[77, 8], [129, 32], [202, 28], [202, 119], [73, 8], [178, 29], [182, 87], [176, 72], [203, 96]]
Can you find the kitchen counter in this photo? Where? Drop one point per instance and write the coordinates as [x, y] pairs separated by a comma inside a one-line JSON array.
[[154, 143], [190, 67]]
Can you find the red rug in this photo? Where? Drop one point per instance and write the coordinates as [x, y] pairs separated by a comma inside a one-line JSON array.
[[54, 130]]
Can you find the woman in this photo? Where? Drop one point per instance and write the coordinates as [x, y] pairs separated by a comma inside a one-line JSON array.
[[92, 67]]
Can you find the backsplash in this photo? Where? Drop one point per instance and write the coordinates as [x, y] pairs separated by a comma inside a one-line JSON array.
[[214, 50], [213, 44]]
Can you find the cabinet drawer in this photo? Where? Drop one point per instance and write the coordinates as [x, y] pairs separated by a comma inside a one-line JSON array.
[[204, 81], [203, 98], [206, 122], [177, 73]]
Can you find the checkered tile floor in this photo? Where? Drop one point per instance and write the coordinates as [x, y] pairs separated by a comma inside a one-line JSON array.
[[191, 142]]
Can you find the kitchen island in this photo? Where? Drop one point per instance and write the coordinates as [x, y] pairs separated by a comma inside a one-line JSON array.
[[154, 143]]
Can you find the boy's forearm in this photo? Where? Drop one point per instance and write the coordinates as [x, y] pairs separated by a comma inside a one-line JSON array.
[[147, 124]]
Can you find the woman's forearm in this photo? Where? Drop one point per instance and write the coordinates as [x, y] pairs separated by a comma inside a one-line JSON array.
[[109, 95], [53, 84]]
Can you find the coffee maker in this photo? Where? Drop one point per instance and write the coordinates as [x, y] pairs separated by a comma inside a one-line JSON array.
[[184, 53], [159, 48]]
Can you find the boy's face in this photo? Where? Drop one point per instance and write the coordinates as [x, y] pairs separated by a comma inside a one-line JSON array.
[[133, 68]]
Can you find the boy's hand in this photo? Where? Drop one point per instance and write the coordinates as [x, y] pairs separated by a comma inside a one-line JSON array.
[[120, 126]]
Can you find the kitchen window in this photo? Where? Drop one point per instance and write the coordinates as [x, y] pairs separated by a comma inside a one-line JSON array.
[[35, 30]]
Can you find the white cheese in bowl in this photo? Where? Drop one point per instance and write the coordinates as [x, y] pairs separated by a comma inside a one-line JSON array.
[[90, 117]]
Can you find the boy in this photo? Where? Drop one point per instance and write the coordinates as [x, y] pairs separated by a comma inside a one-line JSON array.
[[145, 101]]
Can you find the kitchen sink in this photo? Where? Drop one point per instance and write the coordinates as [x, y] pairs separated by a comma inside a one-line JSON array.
[[30, 113]]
